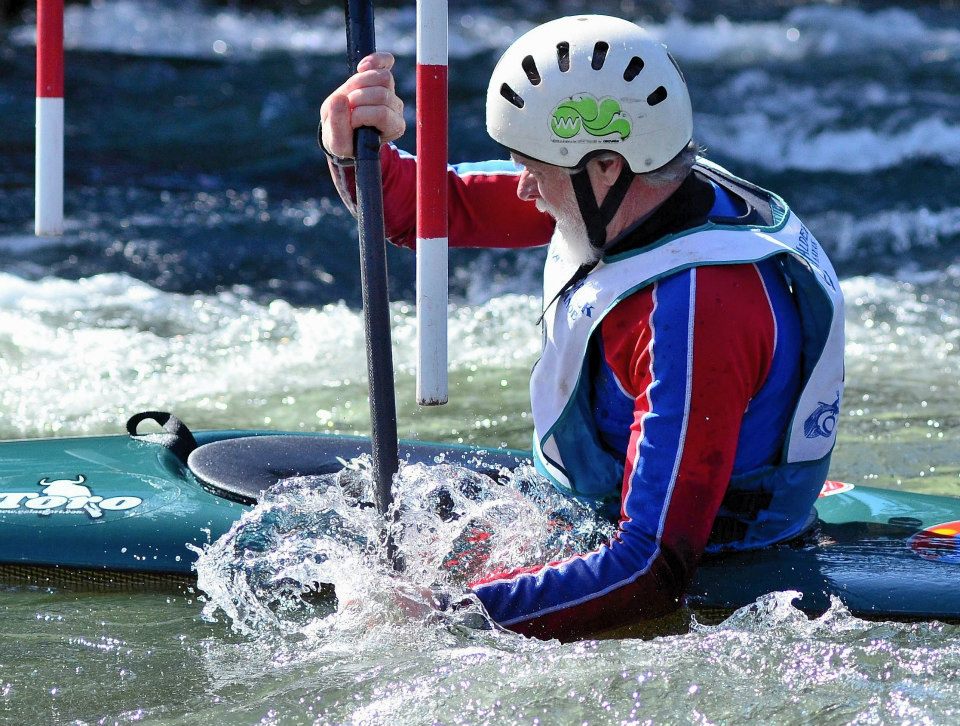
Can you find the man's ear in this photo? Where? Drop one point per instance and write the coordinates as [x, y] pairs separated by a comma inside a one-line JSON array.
[[604, 171]]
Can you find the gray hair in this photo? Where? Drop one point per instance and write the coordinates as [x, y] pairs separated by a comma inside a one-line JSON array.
[[675, 170]]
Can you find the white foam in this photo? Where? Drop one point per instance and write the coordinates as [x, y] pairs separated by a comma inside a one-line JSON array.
[[798, 143], [837, 124], [899, 231], [78, 354], [805, 32], [908, 325], [186, 30], [151, 28]]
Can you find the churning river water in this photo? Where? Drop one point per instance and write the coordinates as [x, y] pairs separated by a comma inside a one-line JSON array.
[[208, 269]]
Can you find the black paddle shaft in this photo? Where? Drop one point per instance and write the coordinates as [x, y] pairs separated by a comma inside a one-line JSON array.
[[373, 271]]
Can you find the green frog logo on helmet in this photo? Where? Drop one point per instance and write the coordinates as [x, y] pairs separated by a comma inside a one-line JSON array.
[[583, 112]]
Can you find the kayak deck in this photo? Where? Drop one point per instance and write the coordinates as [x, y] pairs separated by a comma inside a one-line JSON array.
[[883, 553], [112, 512]]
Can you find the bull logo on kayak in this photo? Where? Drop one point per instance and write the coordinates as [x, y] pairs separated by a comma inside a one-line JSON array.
[[586, 114], [823, 421], [72, 489], [69, 496]]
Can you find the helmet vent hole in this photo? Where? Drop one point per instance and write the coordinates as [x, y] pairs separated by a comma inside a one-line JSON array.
[[511, 95], [563, 56], [530, 68], [633, 68], [599, 55], [657, 96]]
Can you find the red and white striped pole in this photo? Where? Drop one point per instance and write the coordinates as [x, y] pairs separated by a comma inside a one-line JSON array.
[[431, 202], [49, 153]]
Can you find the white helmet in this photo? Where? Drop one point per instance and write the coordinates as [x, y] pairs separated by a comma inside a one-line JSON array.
[[589, 83]]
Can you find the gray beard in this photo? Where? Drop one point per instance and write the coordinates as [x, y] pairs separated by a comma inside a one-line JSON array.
[[570, 239]]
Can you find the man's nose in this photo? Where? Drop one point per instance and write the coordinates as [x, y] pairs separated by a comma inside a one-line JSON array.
[[527, 188]]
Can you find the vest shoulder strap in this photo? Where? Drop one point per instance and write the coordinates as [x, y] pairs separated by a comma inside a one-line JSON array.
[[763, 209]]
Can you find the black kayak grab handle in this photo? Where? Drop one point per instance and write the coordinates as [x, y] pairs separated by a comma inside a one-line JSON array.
[[175, 436]]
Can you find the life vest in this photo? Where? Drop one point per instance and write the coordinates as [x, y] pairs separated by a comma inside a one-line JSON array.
[[767, 505]]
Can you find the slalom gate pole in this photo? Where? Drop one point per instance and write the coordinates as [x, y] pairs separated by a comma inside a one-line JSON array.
[[48, 199], [432, 202], [373, 276]]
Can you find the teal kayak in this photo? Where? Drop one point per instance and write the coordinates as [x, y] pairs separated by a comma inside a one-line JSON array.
[[126, 511]]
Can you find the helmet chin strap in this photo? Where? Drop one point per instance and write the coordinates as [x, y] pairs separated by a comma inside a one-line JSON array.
[[596, 217]]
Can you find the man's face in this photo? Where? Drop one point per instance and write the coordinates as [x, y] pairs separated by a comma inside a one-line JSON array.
[[550, 188]]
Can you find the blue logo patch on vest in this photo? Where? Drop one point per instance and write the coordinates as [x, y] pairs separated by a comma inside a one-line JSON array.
[[568, 295], [823, 420], [577, 310]]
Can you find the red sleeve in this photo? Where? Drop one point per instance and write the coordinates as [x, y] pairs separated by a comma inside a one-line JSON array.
[[483, 207]]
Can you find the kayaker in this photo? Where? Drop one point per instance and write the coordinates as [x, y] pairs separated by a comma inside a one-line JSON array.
[[692, 367]]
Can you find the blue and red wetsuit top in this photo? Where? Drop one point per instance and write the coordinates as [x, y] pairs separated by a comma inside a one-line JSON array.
[[689, 389]]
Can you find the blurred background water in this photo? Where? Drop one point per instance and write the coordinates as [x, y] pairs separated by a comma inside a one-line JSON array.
[[208, 268]]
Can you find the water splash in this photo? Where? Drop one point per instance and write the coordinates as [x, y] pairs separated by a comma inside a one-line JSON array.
[[775, 663], [310, 558]]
